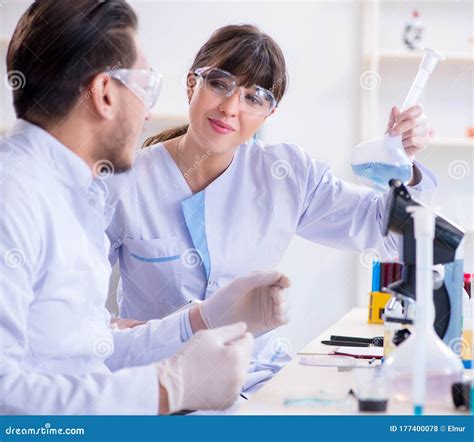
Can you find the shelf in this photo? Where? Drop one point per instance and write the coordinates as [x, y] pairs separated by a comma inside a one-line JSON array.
[[169, 117], [451, 57], [165, 119], [452, 142]]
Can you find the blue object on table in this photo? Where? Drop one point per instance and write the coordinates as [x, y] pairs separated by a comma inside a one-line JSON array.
[[376, 276]]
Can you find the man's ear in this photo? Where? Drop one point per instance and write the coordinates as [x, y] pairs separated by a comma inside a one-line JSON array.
[[100, 95], [191, 83]]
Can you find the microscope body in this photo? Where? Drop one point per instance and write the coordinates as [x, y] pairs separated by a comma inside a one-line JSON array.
[[447, 272]]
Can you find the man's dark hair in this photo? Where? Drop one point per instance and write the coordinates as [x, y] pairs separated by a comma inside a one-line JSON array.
[[58, 46]]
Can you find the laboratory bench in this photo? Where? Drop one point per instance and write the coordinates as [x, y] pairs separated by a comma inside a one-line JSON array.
[[296, 381]]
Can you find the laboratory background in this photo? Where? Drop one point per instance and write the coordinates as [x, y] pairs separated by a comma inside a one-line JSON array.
[[348, 63]]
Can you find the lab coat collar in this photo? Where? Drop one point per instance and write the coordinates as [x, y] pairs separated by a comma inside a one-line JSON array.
[[221, 180], [72, 169]]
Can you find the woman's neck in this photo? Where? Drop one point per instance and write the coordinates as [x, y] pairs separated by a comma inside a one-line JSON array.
[[199, 166]]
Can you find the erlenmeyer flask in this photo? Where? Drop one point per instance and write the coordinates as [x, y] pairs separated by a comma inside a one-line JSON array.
[[381, 159], [444, 368]]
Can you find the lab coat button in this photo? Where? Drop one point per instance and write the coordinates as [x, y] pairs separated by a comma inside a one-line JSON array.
[[91, 202]]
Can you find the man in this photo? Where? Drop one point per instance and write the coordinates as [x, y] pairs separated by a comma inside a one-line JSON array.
[[86, 93]]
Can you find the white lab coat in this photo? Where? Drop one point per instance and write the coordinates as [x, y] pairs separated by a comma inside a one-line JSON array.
[[58, 353], [174, 246]]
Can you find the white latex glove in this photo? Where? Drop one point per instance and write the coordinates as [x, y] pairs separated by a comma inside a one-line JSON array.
[[209, 371], [259, 300]]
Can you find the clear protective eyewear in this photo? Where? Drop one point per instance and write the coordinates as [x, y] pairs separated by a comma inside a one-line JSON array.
[[253, 100], [145, 84]]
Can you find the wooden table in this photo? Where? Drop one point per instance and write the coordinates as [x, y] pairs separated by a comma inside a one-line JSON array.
[[297, 380]]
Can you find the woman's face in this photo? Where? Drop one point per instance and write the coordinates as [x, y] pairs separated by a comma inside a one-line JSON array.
[[217, 123]]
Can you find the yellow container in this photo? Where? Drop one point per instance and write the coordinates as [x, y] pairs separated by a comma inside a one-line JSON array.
[[377, 303], [466, 348]]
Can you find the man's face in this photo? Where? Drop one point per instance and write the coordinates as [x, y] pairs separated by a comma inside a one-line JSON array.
[[125, 128]]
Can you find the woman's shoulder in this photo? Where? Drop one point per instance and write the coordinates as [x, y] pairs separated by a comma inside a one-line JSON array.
[[282, 156], [146, 154], [122, 185]]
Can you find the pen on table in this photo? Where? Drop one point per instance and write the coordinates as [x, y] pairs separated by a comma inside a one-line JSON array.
[[346, 343], [377, 341], [351, 339]]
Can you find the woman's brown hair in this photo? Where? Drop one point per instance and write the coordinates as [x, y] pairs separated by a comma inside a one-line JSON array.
[[246, 52]]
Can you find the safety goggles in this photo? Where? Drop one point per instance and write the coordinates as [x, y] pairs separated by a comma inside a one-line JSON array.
[[145, 84], [253, 100]]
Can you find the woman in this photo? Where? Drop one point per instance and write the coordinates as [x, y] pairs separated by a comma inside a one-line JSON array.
[[206, 203]]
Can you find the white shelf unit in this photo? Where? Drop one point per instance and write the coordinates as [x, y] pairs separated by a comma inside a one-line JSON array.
[[415, 56], [446, 142], [375, 59]]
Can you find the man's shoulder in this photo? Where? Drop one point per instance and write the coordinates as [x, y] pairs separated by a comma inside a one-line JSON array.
[[23, 177]]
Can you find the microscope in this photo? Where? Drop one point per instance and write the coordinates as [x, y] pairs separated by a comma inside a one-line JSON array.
[[447, 271]]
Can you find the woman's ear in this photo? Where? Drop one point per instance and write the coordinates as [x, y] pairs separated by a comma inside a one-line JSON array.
[[190, 85], [271, 113]]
